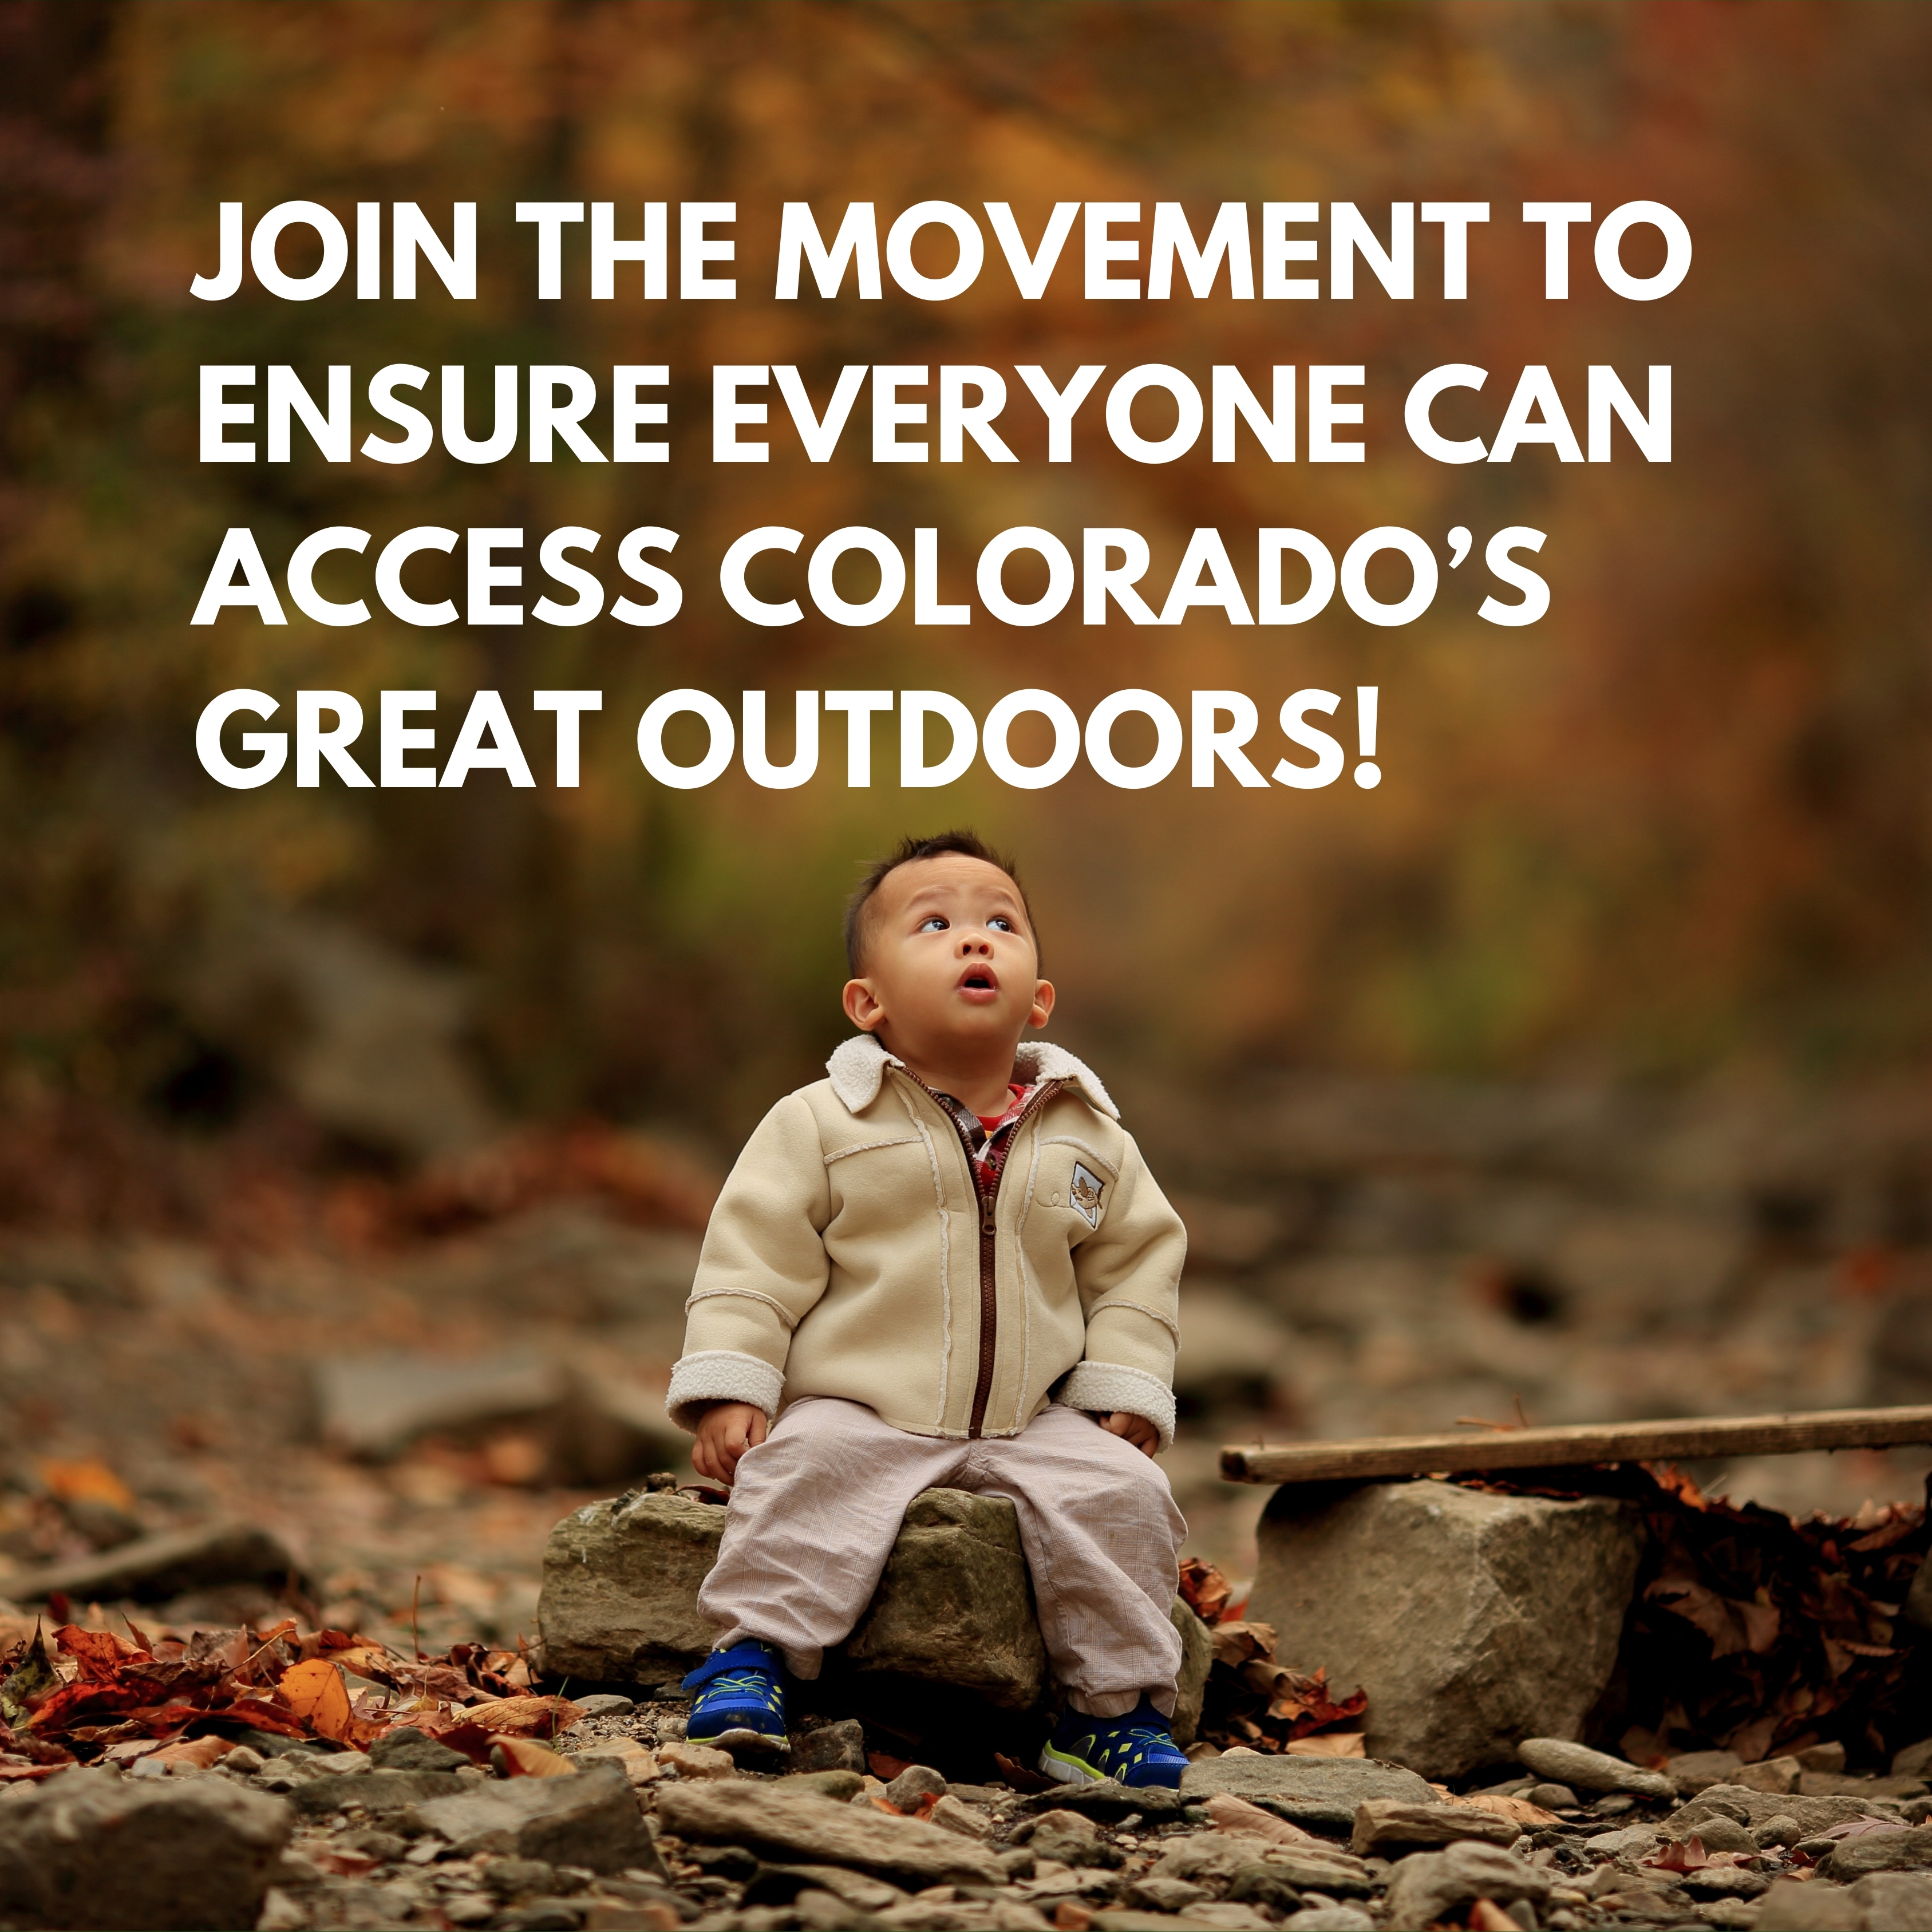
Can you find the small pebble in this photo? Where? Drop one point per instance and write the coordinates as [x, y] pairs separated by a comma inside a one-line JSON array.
[[1552, 1797], [513, 1878], [690, 1760], [604, 1704], [383, 1847], [915, 1782], [967, 1820]]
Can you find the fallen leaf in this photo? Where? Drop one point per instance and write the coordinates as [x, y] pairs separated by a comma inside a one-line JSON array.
[[520, 1716], [32, 1676], [128, 1749], [201, 1753], [524, 1757], [316, 1694], [1203, 1589], [1227, 1813], [1731, 1624], [1519, 1810], [1020, 1776], [883, 1764], [100, 1654], [342, 1863], [86, 1482], [471, 1740], [1686, 1856], [1236, 1644], [1327, 1744]]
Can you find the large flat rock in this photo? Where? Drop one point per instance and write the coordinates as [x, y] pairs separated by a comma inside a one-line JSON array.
[[621, 1579], [1316, 1792], [1473, 1621], [86, 1850], [590, 1818], [955, 1603], [955, 1606], [777, 1823], [1428, 1886]]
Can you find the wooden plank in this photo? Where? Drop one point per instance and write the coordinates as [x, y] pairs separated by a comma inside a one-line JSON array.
[[1684, 1440]]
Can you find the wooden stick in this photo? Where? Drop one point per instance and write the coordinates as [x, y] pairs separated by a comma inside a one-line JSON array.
[[1577, 1445]]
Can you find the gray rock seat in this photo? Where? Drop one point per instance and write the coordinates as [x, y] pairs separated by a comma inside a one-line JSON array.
[[955, 1607]]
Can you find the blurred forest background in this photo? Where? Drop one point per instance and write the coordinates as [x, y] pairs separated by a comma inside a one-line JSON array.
[[1583, 1061]]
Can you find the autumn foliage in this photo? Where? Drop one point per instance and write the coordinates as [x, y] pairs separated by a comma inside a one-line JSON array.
[[1678, 821]]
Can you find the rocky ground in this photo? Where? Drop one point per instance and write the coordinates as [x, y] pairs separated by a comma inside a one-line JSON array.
[[401, 1383], [629, 1826]]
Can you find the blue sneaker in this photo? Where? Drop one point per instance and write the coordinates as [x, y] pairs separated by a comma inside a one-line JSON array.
[[739, 1700], [1136, 1749]]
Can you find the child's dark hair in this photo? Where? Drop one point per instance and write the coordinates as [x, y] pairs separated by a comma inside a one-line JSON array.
[[967, 843]]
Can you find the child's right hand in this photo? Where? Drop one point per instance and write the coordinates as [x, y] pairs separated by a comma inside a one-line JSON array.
[[726, 1431]]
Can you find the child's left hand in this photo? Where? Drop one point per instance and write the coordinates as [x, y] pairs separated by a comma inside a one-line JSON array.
[[1134, 1428]]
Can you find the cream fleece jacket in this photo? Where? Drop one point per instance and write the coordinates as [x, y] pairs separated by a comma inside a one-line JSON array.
[[847, 1256]]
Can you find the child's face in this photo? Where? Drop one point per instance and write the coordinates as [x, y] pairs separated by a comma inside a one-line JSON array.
[[949, 962]]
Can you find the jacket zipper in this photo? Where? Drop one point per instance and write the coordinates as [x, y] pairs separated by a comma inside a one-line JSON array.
[[988, 1201]]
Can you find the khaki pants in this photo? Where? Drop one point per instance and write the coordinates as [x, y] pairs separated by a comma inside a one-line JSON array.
[[817, 1504]]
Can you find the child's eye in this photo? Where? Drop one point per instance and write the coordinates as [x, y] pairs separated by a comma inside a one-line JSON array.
[[1000, 923], [934, 922]]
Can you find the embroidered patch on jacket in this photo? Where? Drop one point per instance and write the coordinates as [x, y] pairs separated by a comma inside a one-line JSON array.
[[1083, 1195]]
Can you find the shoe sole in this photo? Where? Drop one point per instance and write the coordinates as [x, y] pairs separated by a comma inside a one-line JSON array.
[[742, 1738], [1065, 1770]]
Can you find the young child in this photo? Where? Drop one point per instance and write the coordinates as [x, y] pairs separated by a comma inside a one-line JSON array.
[[944, 1265]]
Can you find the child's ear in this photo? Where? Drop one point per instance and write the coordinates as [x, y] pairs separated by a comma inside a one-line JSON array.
[[863, 1006], [1042, 1004]]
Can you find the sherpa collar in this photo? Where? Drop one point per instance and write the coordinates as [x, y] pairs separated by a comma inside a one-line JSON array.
[[858, 1069]]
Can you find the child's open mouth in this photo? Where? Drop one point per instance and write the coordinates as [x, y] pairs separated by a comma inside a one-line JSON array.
[[979, 982]]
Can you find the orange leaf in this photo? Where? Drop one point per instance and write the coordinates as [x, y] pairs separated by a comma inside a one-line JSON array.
[[199, 1753], [88, 1482], [316, 1694], [524, 1757], [1518, 1810]]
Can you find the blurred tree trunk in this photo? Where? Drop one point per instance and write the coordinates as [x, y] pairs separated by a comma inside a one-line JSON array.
[[54, 175]]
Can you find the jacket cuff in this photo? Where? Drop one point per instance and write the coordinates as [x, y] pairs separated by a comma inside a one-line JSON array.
[[1105, 1387], [722, 1375]]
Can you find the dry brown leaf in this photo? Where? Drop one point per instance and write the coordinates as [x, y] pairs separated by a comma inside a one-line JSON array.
[[1732, 1625], [514, 1716], [202, 1753], [1227, 1813], [1327, 1744], [1204, 1589], [1518, 1810], [1236, 1644]]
